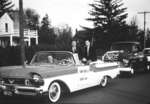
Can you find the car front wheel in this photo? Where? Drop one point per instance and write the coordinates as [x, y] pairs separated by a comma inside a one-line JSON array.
[[55, 92], [148, 67], [104, 81], [132, 71]]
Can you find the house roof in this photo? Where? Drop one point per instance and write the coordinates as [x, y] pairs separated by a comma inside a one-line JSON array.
[[14, 16], [1, 15]]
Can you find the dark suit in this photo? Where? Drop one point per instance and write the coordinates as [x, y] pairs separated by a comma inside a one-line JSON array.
[[74, 50], [89, 54]]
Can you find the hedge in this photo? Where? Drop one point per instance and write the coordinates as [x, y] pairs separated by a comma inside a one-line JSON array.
[[12, 55]]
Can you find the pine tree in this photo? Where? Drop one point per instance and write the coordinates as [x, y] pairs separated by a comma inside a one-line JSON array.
[[108, 17], [106, 13], [5, 6], [31, 19], [45, 21], [46, 32]]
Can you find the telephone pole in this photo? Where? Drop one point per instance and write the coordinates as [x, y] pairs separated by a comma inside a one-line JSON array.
[[21, 31], [144, 13]]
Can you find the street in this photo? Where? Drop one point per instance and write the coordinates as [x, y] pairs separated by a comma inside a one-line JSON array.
[[122, 90]]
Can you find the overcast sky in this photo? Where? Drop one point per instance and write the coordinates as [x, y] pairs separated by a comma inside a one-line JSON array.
[[74, 12]]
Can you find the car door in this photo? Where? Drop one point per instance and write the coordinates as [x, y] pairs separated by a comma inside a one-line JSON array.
[[83, 76], [87, 77]]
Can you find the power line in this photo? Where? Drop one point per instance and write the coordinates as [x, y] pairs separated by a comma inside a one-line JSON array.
[[144, 13]]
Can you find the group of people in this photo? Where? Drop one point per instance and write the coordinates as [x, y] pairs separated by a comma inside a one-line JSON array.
[[85, 52]]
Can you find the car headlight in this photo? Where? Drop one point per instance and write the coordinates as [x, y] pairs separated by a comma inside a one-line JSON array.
[[37, 79], [27, 82], [141, 56], [1, 81]]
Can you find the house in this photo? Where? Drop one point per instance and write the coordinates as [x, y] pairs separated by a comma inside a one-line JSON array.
[[9, 32]]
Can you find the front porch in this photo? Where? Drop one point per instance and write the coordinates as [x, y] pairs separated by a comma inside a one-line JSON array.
[[30, 38]]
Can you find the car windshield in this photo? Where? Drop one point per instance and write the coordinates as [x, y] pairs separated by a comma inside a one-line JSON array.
[[128, 47], [52, 58]]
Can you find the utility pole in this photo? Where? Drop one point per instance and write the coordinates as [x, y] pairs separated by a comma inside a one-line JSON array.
[[21, 31], [144, 13]]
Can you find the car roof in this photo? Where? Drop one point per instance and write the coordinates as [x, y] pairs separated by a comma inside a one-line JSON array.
[[130, 42]]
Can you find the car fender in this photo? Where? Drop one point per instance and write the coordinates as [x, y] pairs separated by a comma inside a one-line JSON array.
[[70, 81]]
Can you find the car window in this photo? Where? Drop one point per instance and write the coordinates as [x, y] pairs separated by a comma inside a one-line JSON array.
[[121, 46], [127, 47]]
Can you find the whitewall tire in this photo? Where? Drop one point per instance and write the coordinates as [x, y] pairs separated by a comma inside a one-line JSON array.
[[55, 92], [104, 81], [148, 67], [132, 71]]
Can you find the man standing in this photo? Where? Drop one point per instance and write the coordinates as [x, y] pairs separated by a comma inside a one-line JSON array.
[[75, 49], [89, 52]]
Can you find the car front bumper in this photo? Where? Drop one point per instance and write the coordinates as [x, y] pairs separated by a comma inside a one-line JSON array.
[[10, 90], [148, 59], [125, 69]]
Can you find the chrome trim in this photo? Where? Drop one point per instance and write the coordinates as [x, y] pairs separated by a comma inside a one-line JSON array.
[[11, 81], [22, 90]]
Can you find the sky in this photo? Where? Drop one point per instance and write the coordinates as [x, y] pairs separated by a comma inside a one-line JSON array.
[[74, 12]]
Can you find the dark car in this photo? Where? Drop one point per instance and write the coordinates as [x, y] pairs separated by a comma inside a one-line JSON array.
[[146, 52], [132, 52]]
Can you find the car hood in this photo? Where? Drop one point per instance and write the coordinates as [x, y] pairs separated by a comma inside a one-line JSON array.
[[44, 71]]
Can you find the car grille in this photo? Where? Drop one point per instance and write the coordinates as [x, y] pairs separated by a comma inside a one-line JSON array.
[[17, 81]]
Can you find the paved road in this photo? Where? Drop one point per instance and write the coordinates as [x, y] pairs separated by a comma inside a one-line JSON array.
[[123, 90]]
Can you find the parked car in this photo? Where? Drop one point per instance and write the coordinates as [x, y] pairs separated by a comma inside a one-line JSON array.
[[130, 55], [133, 52], [55, 73], [113, 56], [146, 52]]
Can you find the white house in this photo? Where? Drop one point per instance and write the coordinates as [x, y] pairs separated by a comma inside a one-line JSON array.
[[9, 32]]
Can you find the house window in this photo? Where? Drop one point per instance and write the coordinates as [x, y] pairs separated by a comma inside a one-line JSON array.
[[6, 27]]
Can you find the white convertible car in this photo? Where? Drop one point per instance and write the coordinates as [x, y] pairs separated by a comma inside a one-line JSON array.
[[54, 73]]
